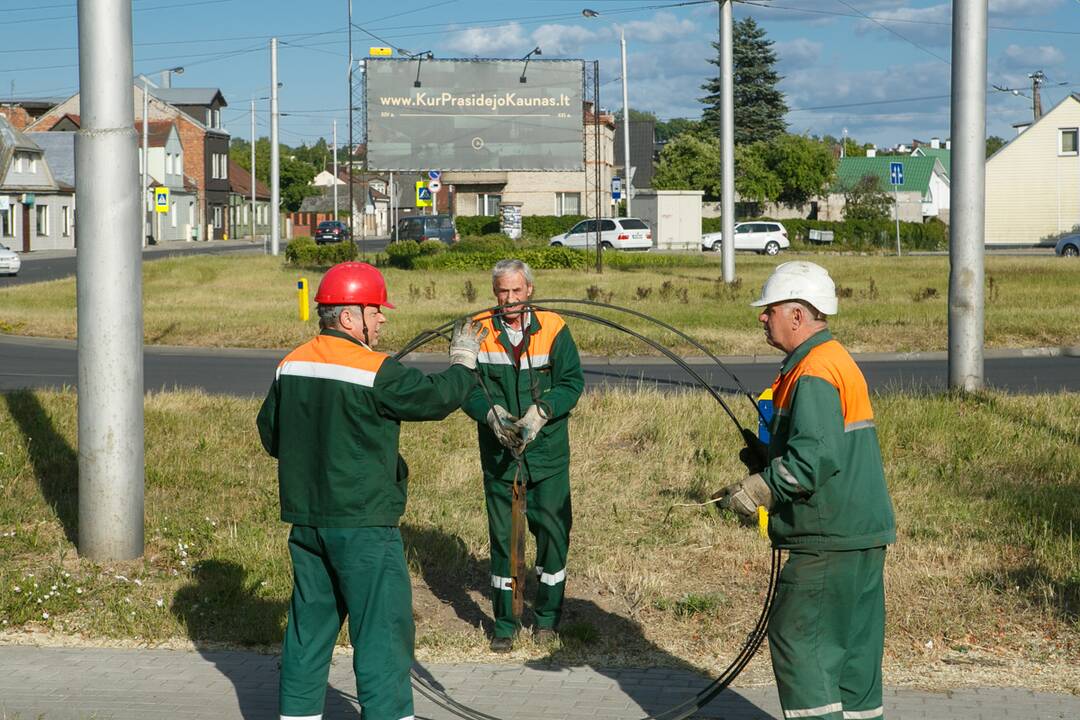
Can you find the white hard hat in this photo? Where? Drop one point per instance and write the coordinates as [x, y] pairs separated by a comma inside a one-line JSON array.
[[799, 280]]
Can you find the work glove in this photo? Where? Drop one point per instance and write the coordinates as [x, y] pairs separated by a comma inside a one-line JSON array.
[[755, 454], [744, 497], [530, 423], [465, 343], [501, 423]]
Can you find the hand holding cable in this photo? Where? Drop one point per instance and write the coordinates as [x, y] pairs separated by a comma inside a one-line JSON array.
[[530, 423], [744, 497], [465, 342], [503, 424]]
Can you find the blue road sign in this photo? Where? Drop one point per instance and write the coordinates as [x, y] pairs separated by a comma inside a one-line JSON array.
[[616, 188], [434, 174], [896, 173], [423, 193]]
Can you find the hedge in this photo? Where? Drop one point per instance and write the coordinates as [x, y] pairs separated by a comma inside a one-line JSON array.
[[548, 258], [542, 226], [861, 234], [304, 252]]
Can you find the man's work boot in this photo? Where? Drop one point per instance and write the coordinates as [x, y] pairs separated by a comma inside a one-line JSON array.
[[502, 644], [543, 636]]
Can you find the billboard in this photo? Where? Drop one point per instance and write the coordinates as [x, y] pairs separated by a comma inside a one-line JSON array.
[[474, 114]]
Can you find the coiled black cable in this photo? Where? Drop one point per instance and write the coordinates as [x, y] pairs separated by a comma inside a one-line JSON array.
[[683, 710]]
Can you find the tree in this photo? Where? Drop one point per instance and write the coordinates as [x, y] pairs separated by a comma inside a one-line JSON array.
[[866, 200], [689, 163], [759, 105], [804, 166], [667, 130], [295, 174], [753, 178], [993, 144]]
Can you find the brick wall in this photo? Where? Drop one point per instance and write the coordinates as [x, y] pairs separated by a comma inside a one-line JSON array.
[[193, 138], [17, 116]]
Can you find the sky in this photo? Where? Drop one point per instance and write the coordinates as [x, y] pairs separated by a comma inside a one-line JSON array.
[[877, 68]]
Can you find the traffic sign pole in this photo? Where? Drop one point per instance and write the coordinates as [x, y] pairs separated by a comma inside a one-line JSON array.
[[896, 176]]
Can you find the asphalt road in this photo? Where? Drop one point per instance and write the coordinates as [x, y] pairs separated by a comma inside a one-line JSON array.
[[30, 362]]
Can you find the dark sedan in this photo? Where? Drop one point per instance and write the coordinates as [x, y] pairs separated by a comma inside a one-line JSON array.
[[331, 231]]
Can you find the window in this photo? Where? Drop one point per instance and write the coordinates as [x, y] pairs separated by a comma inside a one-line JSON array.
[[217, 216], [191, 214], [633, 224], [214, 172], [7, 222], [488, 204], [607, 225], [172, 213], [179, 163], [42, 219], [65, 219], [168, 164], [567, 203], [224, 167], [209, 117], [33, 165], [18, 162], [217, 118], [1068, 142]]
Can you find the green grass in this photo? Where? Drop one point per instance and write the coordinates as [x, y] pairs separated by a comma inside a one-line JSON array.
[[986, 491], [887, 304]]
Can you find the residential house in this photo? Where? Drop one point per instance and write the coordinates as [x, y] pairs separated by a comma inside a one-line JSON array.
[[540, 193], [375, 211], [924, 194], [197, 115], [166, 169], [241, 219], [937, 150], [37, 211], [23, 112], [1033, 181]]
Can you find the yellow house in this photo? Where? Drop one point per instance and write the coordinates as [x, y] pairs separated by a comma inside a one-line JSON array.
[[1033, 182]]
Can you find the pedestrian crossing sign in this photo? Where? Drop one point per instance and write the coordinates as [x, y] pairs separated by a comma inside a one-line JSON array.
[[423, 194], [161, 199]]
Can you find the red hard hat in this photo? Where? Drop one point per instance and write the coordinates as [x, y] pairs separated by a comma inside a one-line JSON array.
[[352, 283]]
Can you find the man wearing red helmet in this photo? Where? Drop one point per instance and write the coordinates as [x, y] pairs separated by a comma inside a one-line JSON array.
[[332, 419]]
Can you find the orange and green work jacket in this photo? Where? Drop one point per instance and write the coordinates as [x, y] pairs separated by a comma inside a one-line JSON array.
[[332, 419], [547, 373], [825, 469]]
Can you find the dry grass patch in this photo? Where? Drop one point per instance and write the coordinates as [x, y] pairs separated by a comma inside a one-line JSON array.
[[887, 304], [983, 586]]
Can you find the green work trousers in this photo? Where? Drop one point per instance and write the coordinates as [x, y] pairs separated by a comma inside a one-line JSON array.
[[547, 508], [359, 573], [827, 634]]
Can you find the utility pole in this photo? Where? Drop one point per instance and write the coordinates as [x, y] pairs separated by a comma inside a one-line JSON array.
[[966, 247], [349, 154], [252, 169], [275, 167], [626, 123], [1037, 79], [145, 155], [727, 143], [109, 290], [335, 176]]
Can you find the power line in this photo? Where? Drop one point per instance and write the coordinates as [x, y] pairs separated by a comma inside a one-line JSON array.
[[870, 102], [894, 32]]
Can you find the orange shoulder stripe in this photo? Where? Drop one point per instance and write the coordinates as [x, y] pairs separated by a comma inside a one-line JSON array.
[[833, 364], [331, 350]]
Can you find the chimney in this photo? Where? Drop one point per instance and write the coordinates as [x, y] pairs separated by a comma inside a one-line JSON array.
[[935, 143], [871, 151], [948, 144]]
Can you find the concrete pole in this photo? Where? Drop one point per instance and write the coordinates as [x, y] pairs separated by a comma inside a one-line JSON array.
[[335, 170], [275, 186], [109, 289], [252, 224], [626, 122], [727, 143], [145, 156], [966, 247]]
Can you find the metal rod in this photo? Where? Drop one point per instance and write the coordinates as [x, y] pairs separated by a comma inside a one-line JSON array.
[[109, 289], [626, 122], [896, 212], [275, 167], [335, 176], [352, 147], [727, 144], [252, 224], [145, 157], [966, 370], [599, 165]]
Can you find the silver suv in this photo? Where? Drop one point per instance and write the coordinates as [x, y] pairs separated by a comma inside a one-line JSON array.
[[761, 236]]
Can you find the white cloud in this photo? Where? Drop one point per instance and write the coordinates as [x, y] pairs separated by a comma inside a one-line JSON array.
[[797, 52], [563, 39], [1019, 56], [661, 28], [507, 40]]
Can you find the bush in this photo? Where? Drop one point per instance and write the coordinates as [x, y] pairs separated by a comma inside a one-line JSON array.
[[432, 247], [302, 250], [476, 225], [535, 226], [549, 258], [401, 254], [485, 244], [339, 252], [860, 235]]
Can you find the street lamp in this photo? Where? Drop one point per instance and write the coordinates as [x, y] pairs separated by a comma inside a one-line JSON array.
[[626, 111], [534, 51], [165, 74]]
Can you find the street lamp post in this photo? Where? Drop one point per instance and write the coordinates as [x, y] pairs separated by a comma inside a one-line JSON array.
[[626, 111]]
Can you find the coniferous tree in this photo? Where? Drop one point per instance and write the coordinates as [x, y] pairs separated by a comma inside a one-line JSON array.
[[759, 105]]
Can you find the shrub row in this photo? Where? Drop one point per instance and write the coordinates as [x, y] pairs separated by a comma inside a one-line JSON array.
[[541, 226], [304, 252], [861, 234], [544, 258]]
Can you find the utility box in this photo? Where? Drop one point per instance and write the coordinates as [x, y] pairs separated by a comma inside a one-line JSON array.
[[673, 215]]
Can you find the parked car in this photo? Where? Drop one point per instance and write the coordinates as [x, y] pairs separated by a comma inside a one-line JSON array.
[[10, 262], [1068, 246], [767, 238], [615, 234], [426, 227], [331, 231]]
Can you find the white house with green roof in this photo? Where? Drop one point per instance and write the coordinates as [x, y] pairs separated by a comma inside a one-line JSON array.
[[1033, 181], [924, 194], [934, 149]]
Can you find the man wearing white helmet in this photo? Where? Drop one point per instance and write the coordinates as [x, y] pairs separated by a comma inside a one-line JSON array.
[[822, 480]]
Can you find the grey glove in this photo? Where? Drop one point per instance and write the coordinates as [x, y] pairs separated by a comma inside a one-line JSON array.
[[465, 343], [501, 423], [530, 423], [744, 497]]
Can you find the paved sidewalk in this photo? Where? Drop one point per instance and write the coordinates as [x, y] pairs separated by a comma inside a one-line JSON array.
[[105, 684]]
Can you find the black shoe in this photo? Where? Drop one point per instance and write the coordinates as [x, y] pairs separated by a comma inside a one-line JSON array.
[[543, 636], [502, 644]]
